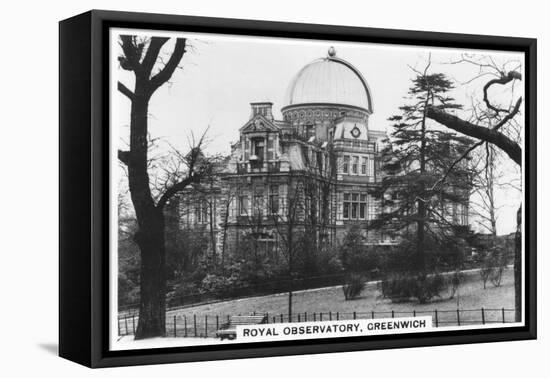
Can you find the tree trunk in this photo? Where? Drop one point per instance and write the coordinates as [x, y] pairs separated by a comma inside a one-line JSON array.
[[290, 269], [420, 236], [150, 235], [290, 301], [224, 237], [212, 233], [421, 223], [150, 239], [290, 288], [151, 228], [517, 267]]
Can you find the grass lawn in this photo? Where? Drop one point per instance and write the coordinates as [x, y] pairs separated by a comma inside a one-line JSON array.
[[329, 301], [329, 304]]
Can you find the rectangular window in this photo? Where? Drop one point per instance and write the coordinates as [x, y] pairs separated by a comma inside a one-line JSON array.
[[362, 210], [274, 199], [258, 201], [364, 166], [205, 211], [346, 210], [355, 166], [346, 205], [355, 206], [201, 211], [345, 167], [243, 205], [197, 213], [259, 148], [354, 210]]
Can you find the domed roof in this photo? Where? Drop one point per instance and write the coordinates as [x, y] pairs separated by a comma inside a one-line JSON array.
[[329, 80]]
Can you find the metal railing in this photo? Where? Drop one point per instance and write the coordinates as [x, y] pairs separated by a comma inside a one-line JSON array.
[[206, 325]]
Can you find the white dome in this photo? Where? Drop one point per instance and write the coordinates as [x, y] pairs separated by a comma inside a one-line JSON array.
[[329, 80]]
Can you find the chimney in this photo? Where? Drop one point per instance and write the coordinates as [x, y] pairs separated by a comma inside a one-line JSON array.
[[263, 108]]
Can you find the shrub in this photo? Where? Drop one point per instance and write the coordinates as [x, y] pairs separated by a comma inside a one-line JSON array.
[[218, 286], [352, 251], [328, 261], [409, 275], [492, 267], [455, 280], [182, 293], [496, 276], [484, 273], [353, 286], [405, 287]]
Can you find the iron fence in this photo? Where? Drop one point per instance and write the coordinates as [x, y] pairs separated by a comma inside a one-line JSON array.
[[206, 325]]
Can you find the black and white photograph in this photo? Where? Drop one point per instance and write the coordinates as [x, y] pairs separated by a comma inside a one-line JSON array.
[[211, 188], [267, 189]]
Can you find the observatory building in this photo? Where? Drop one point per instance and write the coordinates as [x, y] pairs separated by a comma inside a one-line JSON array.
[[303, 180]]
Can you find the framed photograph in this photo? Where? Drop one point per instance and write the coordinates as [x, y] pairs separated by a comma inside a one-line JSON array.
[[235, 188]]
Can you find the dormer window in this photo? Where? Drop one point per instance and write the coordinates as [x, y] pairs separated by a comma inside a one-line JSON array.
[[258, 149]]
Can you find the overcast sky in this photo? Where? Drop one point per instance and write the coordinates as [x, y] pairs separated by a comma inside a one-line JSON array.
[[221, 75]]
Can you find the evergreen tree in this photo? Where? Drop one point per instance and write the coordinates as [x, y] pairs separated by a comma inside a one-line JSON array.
[[421, 184], [352, 251]]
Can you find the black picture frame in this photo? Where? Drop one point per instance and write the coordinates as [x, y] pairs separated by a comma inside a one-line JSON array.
[[84, 194]]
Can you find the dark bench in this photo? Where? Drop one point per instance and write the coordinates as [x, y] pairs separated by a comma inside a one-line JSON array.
[[229, 330]]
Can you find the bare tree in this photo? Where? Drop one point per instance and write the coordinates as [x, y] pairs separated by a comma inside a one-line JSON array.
[[503, 116], [304, 213], [207, 200], [141, 57], [230, 197], [493, 259], [287, 225]]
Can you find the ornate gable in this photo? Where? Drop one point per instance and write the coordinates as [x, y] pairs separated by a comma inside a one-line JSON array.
[[259, 124]]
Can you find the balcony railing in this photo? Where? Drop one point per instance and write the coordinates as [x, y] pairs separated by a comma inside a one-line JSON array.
[[368, 146], [259, 167]]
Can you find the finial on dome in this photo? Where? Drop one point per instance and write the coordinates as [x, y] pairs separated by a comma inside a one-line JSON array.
[[332, 52]]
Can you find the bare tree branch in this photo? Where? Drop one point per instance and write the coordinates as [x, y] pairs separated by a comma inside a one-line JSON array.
[[512, 149], [164, 75], [503, 80], [152, 54], [178, 187], [197, 167], [125, 91]]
